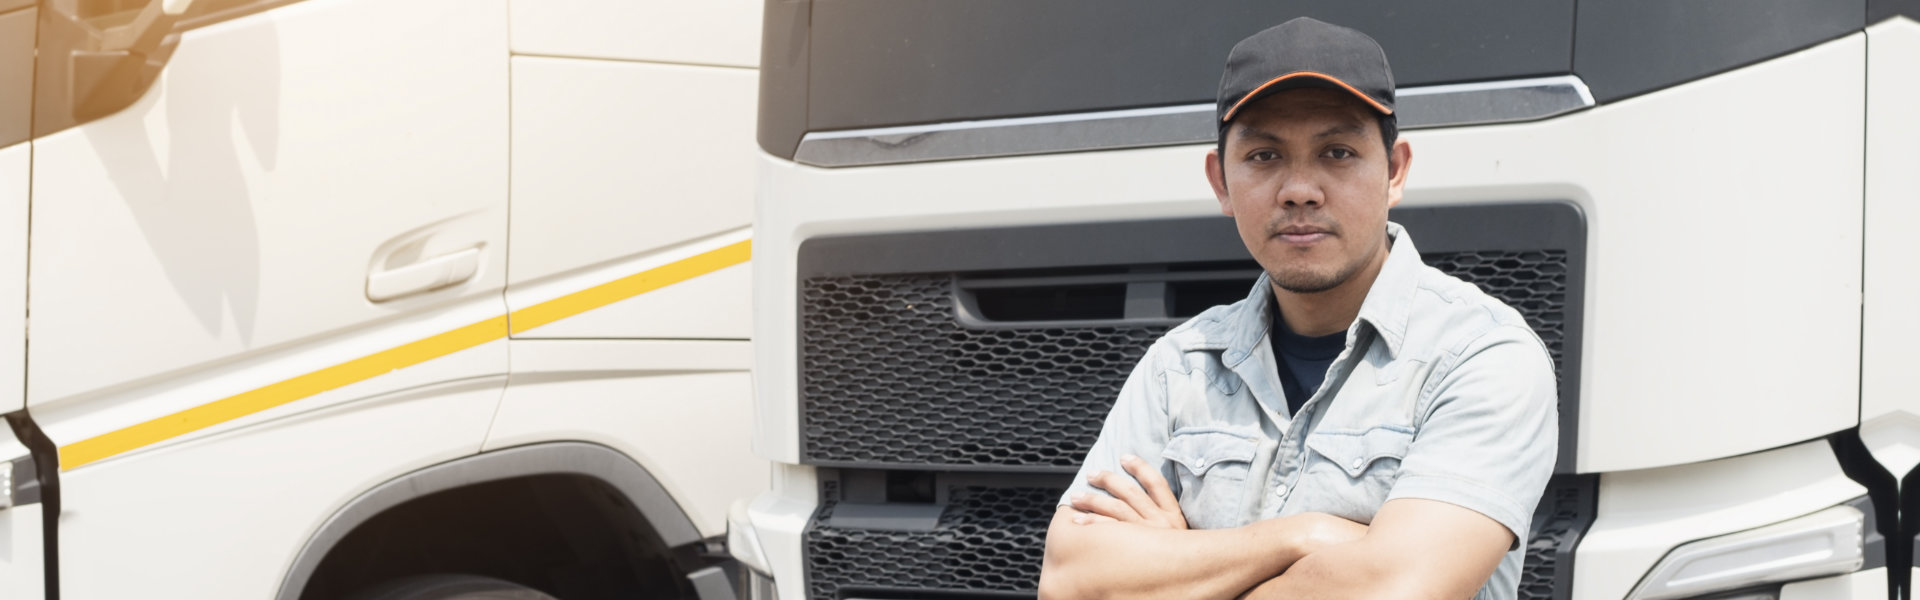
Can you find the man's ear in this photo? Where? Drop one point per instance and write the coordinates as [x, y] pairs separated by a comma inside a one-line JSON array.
[[1398, 163], [1217, 176]]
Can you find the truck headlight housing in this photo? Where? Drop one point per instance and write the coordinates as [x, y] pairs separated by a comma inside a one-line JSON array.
[[1829, 542]]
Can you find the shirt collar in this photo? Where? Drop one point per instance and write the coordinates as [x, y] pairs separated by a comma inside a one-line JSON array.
[[1385, 307], [1389, 303]]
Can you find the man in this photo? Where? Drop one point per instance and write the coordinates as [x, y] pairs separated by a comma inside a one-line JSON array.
[[1361, 425]]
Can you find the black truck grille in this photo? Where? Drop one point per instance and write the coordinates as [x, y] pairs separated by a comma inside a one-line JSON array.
[[891, 377], [988, 359], [1532, 282], [989, 541]]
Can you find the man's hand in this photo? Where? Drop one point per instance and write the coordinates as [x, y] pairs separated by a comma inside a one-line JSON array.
[[1144, 499], [1415, 548], [1313, 532], [1118, 560]]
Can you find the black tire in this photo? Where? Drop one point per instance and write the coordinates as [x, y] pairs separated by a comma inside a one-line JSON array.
[[450, 587]]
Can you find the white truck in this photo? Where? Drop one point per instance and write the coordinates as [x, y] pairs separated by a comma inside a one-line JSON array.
[[316, 298], [975, 214]]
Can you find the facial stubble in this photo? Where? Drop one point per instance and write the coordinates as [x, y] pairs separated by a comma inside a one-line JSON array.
[[1303, 281]]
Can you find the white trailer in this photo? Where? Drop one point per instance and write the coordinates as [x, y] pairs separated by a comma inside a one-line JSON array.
[[330, 294]]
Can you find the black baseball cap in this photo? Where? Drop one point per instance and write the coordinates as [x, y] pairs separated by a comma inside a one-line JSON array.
[[1305, 53]]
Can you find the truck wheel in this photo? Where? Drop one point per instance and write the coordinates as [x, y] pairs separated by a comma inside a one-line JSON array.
[[450, 587]]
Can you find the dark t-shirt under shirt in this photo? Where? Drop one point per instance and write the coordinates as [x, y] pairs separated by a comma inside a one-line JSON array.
[[1303, 360]]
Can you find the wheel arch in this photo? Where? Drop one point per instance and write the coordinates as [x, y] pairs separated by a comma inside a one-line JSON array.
[[595, 461]]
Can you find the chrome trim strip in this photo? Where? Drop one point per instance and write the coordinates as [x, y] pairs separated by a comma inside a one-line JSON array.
[[1489, 102], [1449, 105], [1103, 130]]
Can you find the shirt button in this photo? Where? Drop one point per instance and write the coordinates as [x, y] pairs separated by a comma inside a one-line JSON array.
[[1280, 491], [1357, 463]]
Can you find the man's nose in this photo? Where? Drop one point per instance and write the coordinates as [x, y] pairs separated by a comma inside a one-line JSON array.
[[1299, 190]]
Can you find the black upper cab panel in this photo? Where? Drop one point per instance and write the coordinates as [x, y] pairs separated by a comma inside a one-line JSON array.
[[854, 64], [1881, 10], [886, 62]]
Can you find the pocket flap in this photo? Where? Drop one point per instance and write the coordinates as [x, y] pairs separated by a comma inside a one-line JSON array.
[[1200, 449], [1354, 451]]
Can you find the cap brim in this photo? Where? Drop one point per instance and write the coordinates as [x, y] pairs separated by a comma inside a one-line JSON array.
[[1297, 78]]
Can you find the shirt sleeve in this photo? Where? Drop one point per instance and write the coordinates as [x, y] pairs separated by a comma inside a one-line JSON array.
[[1137, 424], [1490, 432]]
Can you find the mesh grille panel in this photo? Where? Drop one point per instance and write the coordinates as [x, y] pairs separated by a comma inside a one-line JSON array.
[[988, 539], [1565, 512], [992, 539], [1534, 283], [889, 377]]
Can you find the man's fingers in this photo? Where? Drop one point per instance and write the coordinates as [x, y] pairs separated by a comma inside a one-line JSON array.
[[1104, 505], [1166, 505], [1154, 483], [1124, 488]]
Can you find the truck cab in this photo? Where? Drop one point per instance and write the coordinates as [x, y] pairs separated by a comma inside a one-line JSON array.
[[975, 216]]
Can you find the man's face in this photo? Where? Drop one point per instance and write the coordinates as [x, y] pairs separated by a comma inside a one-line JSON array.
[[1308, 183]]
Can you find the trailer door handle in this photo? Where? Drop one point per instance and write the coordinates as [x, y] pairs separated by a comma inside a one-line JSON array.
[[423, 276]]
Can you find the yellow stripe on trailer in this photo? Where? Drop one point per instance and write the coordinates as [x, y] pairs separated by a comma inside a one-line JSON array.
[[630, 286], [253, 401], [138, 436]]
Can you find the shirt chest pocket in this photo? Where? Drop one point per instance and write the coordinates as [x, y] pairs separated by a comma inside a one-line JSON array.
[[1349, 473], [1212, 466]]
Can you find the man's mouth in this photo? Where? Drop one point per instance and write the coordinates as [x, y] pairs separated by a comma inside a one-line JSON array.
[[1302, 234]]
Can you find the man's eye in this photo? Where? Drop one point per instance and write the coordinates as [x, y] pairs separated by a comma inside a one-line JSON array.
[[1262, 156], [1340, 153]]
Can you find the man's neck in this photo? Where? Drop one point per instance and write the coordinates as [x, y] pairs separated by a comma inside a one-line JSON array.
[[1331, 311]]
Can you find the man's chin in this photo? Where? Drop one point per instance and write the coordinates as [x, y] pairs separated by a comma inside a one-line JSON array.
[[1305, 282]]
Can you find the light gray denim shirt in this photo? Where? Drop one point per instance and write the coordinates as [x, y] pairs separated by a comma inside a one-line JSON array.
[[1442, 393]]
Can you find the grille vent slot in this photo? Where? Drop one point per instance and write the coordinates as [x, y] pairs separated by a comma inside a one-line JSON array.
[[1154, 294]]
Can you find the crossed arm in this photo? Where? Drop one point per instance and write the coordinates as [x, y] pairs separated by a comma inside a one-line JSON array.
[[1135, 544]]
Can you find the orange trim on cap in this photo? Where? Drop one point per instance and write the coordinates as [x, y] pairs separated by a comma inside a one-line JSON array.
[[1256, 91]]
